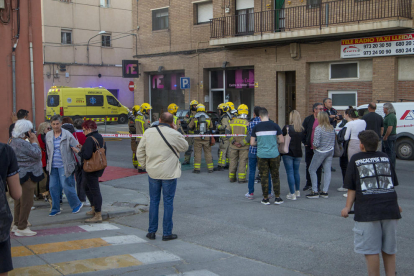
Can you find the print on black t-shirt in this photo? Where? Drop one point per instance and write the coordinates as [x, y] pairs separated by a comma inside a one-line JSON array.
[[375, 175]]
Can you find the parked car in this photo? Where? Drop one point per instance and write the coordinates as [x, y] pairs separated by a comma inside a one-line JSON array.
[[405, 127]]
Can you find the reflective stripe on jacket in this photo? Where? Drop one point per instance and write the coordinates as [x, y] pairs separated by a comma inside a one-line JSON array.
[[239, 126]]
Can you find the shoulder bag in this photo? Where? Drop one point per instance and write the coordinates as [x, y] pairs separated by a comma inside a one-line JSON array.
[[98, 160], [284, 147], [6, 218], [165, 140], [338, 148]]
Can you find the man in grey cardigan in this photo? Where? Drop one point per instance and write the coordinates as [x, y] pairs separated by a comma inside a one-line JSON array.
[[61, 166]]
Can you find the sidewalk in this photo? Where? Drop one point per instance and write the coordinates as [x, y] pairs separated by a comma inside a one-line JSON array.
[[117, 202]]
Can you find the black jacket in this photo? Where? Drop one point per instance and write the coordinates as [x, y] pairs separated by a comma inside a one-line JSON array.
[[90, 147], [307, 132], [69, 127]]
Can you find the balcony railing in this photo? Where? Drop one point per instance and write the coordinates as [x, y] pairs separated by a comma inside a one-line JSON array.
[[322, 15]]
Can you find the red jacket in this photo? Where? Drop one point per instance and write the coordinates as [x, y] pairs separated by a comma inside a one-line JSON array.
[[43, 147], [80, 137]]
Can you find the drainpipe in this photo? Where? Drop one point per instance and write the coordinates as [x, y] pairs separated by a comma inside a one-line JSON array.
[[32, 86], [14, 80]]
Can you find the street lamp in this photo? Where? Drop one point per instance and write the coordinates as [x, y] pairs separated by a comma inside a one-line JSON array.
[[87, 48]]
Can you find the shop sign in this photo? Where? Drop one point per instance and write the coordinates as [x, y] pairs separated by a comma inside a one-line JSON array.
[[389, 45], [130, 69]]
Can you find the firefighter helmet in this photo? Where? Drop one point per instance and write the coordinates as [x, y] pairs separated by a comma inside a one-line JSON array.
[[201, 108], [231, 105], [135, 109], [243, 109], [172, 108], [193, 102], [145, 108], [223, 107]]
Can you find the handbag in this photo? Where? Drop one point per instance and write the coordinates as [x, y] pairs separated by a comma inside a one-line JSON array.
[[98, 160], [168, 144], [338, 148], [284, 147]]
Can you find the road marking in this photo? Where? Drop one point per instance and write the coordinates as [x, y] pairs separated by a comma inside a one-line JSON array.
[[46, 248], [54, 231], [97, 264], [197, 273], [155, 257], [98, 227]]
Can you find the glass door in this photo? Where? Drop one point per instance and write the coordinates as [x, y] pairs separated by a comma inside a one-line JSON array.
[[217, 89]]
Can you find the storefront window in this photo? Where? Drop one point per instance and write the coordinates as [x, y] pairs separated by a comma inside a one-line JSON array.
[[217, 79], [165, 89], [240, 87]]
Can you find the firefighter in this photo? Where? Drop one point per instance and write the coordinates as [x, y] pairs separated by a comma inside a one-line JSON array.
[[190, 116], [132, 130], [239, 146], [232, 110], [173, 108], [224, 128], [141, 124], [202, 124]]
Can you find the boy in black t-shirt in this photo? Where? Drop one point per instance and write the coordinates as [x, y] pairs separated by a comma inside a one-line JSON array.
[[370, 180]]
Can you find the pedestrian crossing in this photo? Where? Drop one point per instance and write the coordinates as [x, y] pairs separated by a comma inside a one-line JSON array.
[[87, 248]]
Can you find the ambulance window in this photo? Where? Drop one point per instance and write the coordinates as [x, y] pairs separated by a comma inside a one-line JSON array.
[[53, 100], [94, 100], [112, 101]]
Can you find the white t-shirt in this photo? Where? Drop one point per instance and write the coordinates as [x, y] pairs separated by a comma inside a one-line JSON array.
[[353, 128]]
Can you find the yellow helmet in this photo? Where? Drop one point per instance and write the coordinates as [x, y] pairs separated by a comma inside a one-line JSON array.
[[201, 108], [172, 108], [145, 107], [135, 109], [193, 102], [223, 107], [231, 105], [243, 109]]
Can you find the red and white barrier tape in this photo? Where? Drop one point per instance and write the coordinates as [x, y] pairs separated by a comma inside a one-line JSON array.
[[190, 135]]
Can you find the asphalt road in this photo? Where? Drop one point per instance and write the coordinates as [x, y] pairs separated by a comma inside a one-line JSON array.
[[305, 236]]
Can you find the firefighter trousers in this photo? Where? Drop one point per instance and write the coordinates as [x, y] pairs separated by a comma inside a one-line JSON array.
[[199, 146], [238, 162], [223, 152], [187, 155], [134, 146], [135, 157]]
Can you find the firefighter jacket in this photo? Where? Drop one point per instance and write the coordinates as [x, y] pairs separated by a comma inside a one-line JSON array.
[[239, 126], [194, 126], [191, 118], [178, 124], [224, 125], [141, 123], [131, 126]]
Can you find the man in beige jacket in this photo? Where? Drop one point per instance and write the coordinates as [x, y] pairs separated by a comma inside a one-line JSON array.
[[161, 160]]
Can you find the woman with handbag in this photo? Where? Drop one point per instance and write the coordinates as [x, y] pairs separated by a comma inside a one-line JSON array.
[[291, 151], [92, 153], [353, 128]]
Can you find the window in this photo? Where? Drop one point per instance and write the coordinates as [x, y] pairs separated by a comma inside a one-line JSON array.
[[111, 100], [105, 3], [314, 3], [204, 12], [343, 99], [160, 19], [94, 100], [53, 100], [344, 71], [106, 40], [245, 16], [66, 36]]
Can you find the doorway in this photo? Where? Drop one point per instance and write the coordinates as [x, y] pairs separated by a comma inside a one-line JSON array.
[[286, 95]]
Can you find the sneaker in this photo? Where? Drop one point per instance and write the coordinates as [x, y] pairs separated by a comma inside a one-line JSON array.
[[54, 213], [345, 195], [33, 208], [86, 203], [272, 195], [313, 195], [291, 196], [307, 188], [297, 193], [342, 189], [25, 233], [13, 229], [278, 200], [323, 194], [77, 209], [265, 201], [249, 196]]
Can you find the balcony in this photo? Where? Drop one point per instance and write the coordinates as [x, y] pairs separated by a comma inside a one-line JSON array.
[[326, 19]]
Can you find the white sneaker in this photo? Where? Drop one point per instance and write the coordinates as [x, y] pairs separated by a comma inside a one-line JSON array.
[[25, 233], [297, 193], [345, 195], [33, 208], [291, 196], [342, 189], [86, 203], [13, 229]]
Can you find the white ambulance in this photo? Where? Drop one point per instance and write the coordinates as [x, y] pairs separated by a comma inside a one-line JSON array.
[[405, 127]]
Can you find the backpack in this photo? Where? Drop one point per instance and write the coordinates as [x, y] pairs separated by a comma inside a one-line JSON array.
[[98, 160], [6, 217]]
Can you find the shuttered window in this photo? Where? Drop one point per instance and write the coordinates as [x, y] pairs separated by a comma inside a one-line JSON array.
[[204, 12]]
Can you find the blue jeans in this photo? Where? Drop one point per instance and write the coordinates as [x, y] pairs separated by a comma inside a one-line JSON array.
[[292, 170], [168, 193], [59, 181], [389, 148], [252, 173]]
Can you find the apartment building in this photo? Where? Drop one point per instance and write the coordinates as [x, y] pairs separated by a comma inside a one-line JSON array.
[[84, 43], [282, 55]]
